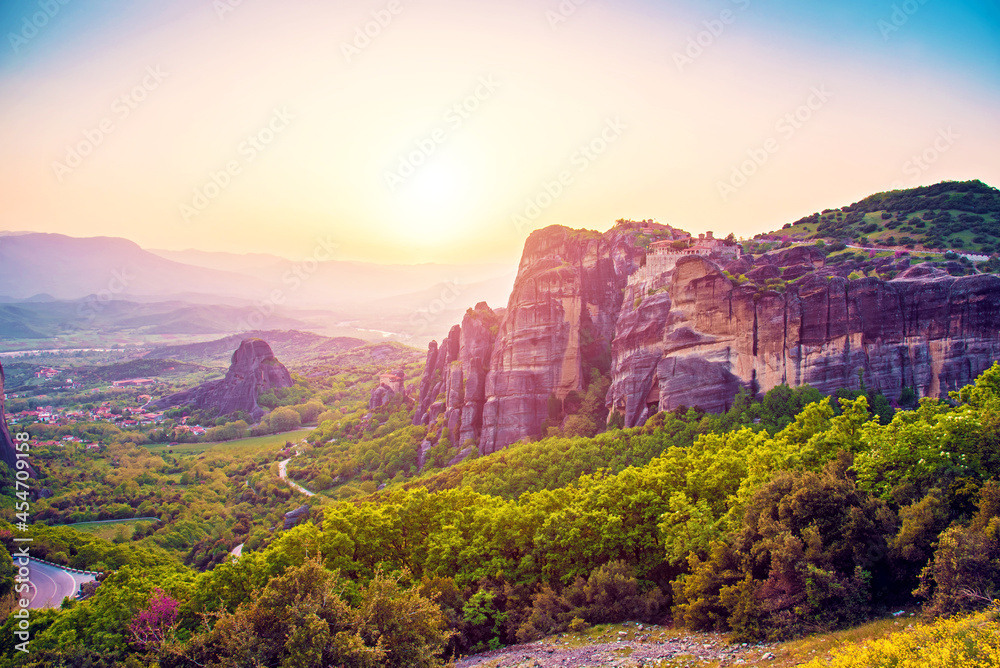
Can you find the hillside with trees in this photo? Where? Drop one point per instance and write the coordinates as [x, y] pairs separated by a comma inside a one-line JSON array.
[[963, 216], [790, 516]]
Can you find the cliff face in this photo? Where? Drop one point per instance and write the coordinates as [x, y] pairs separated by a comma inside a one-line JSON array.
[[454, 379], [690, 335], [697, 343], [493, 377], [559, 326], [253, 370]]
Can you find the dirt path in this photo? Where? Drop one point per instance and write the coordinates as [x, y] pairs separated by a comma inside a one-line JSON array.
[[626, 645]]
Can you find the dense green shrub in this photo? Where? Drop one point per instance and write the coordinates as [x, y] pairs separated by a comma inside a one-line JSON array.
[[611, 594], [964, 573], [802, 560]]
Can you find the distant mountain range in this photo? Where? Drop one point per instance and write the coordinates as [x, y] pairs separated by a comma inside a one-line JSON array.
[[37, 319], [56, 286], [66, 268], [62, 291]]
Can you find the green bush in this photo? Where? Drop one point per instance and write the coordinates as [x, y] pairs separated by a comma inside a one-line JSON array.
[[802, 560], [964, 573], [611, 594]]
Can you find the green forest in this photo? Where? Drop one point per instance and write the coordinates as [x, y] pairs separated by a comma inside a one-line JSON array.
[[961, 215], [786, 516]]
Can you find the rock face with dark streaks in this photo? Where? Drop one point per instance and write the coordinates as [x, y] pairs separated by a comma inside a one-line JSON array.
[[699, 342], [559, 326], [253, 371], [493, 378], [679, 331]]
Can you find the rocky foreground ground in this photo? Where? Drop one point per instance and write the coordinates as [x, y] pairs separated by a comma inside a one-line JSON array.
[[627, 646]]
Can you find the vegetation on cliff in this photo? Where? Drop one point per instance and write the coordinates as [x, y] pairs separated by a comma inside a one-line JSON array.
[[961, 215]]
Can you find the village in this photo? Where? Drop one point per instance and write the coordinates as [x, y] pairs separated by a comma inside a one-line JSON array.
[[125, 417]]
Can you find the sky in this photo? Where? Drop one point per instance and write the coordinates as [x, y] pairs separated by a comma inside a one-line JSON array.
[[412, 131]]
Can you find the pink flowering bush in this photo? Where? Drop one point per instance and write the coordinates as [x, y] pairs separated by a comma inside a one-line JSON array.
[[150, 627]]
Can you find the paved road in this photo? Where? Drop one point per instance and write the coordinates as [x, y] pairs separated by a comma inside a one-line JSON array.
[[51, 584], [283, 474]]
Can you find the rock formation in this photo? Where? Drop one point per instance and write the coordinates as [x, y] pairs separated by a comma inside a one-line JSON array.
[[253, 370], [694, 335], [559, 325], [454, 380], [493, 377], [294, 517], [703, 339], [391, 384]]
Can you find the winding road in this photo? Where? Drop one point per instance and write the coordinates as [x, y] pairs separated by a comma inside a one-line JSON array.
[[283, 474], [51, 584]]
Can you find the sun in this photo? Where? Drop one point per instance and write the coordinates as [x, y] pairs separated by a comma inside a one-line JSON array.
[[439, 185], [436, 199]]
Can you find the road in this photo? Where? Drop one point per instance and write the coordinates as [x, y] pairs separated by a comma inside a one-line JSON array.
[[283, 474], [51, 584]]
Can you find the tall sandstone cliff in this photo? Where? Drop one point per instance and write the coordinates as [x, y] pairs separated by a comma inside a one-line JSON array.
[[693, 337], [253, 371], [700, 341], [493, 377], [454, 379]]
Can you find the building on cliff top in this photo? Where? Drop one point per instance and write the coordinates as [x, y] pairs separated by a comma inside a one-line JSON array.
[[393, 380], [390, 384], [662, 256]]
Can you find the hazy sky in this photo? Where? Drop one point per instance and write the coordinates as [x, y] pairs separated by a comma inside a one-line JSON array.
[[451, 129]]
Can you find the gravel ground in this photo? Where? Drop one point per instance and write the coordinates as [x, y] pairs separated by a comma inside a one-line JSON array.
[[624, 645]]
